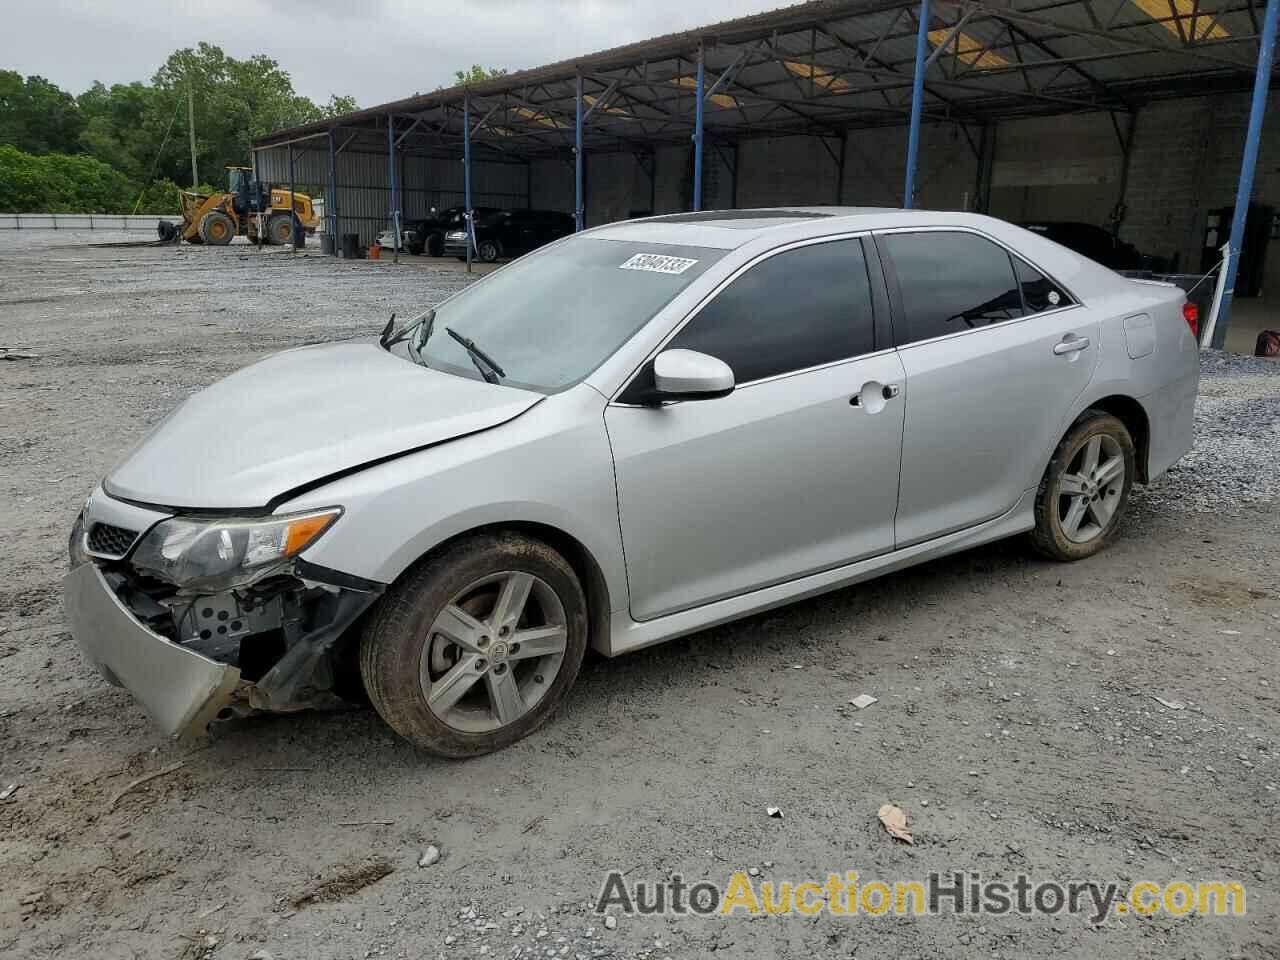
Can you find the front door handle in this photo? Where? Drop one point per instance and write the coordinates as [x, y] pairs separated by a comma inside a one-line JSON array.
[[1070, 344]]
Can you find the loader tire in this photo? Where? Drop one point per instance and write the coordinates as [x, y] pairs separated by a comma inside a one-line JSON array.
[[217, 229], [280, 229], [166, 231]]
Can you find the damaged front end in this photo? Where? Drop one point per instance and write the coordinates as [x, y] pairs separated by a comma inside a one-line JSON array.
[[205, 618]]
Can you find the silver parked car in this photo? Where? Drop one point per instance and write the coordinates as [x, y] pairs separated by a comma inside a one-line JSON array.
[[631, 434]]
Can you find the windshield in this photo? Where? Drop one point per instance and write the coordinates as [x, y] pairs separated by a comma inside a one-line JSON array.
[[550, 318]]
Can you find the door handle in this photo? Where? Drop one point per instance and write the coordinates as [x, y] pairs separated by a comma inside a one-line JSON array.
[[872, 396], [1070, 344]]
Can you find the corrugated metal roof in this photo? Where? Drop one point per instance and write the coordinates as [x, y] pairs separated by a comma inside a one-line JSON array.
[[831, 65]]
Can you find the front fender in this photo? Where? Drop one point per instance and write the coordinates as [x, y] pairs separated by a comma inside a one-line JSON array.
[[552, 466]]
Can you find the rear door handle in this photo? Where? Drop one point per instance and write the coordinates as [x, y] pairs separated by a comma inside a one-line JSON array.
[[872, 396], [1070, 344]]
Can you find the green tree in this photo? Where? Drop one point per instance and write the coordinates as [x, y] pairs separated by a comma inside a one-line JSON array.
[[36, 116], [478, 74], [139, 130], [58, 183], [235, 102], [338, 105], [124, 124]]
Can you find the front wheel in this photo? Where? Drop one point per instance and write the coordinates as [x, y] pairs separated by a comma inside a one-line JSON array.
[[476, 647], [217, 229], [1085, 488], [489, 251]]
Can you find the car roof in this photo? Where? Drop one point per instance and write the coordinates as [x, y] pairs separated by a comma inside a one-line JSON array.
[[764, 229], [728, 229]]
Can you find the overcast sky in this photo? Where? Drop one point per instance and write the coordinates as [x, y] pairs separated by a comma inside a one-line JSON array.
[[374, 50]]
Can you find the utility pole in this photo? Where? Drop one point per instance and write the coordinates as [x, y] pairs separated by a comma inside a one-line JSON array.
[[191, 130]]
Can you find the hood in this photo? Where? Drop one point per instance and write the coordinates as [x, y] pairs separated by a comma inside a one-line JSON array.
[[300, 416]]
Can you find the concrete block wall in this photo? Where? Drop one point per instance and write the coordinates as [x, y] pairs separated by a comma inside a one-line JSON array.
[[1185, 161], [946, 174], [1164, 200], [783, 171], [1057, 168]]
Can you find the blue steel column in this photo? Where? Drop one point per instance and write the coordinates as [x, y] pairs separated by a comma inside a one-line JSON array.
[[697, 134], [294, 228], [466, 176], [334, 234], [391, 171], [577, 162], [1266, 53], [917, 105]]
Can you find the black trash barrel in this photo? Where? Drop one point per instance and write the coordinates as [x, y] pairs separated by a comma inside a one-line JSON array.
[[351, 246], [327, 246]]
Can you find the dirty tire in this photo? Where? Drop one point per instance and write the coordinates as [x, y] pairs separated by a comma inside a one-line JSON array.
[[280, 229], [391, 648], [217, 229], [167, 231], [1050, 535]]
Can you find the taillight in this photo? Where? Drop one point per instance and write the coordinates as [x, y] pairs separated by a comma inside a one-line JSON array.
[[1191, 314]]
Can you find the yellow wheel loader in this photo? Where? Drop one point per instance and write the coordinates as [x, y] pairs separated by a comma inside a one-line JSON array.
[[247, 207]]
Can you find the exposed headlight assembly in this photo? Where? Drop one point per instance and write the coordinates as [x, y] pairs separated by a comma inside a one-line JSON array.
[[226, 553]]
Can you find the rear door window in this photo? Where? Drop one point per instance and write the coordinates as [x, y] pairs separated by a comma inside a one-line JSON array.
[[801, 308], [950, 282]]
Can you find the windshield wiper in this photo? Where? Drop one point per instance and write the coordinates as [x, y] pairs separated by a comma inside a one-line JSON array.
[[484, 363], [387, 340]]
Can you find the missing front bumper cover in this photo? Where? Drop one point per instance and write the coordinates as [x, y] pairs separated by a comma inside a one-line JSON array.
[[183, 689]]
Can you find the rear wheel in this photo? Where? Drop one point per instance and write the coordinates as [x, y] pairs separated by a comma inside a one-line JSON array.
[[217, 229], [476, 647], [280, 229], [1085, 488]]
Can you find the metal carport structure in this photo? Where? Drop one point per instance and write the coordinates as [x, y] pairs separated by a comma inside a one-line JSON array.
[[821, 69]]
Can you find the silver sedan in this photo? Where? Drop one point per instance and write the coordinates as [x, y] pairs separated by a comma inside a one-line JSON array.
[[632, 434]]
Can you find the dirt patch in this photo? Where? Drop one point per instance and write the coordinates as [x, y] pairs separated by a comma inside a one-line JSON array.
[[340, 882], [1212, 591]]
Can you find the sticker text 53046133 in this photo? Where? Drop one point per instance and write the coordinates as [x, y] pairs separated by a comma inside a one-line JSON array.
[[658, 263]]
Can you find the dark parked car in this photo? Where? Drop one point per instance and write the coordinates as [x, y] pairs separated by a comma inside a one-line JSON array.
[[509, 233], [429, 233], [1096, 243]]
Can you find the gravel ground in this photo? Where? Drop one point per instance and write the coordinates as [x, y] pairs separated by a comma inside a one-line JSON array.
[[1017, 723]]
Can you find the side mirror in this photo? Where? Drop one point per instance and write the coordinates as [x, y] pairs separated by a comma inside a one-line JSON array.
[[690, 375]]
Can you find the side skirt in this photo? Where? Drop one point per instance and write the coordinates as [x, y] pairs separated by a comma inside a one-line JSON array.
[[626, 634]]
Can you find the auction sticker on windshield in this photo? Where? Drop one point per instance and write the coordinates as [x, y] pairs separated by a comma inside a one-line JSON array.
[[658, 263]]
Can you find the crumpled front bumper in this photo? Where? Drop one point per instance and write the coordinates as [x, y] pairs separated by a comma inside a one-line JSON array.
[[181, 690]]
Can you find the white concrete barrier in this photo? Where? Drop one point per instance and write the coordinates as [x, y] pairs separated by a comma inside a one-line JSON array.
[[81, 221]]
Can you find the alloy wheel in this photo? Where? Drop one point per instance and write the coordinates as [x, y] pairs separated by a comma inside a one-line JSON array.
[[493, 652], [1090, 489]]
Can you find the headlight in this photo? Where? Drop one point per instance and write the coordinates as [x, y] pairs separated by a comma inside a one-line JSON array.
[[75, 543], [227, 553]]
